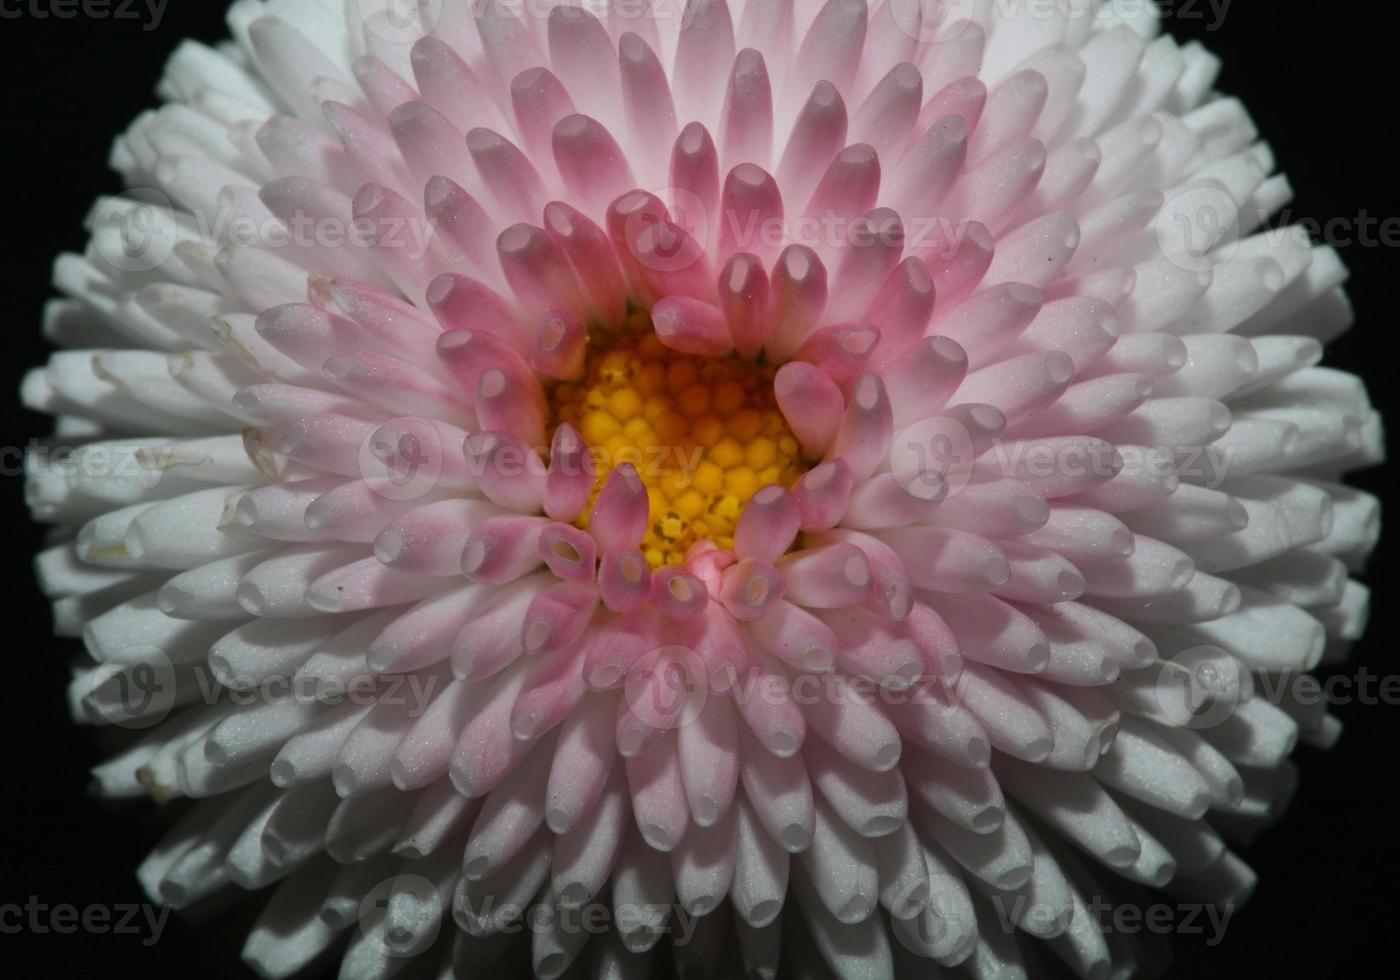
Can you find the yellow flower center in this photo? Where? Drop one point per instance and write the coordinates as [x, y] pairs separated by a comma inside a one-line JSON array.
[[704, 433]]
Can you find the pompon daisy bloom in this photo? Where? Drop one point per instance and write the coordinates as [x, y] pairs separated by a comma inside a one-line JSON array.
[[843, 480]]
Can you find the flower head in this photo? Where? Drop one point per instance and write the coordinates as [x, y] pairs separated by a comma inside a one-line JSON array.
[[687, 462]]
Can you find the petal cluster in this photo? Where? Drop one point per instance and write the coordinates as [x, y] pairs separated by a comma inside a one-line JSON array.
[[995, 602]]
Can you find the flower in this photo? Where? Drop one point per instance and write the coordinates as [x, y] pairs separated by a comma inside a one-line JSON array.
[[547, 463]]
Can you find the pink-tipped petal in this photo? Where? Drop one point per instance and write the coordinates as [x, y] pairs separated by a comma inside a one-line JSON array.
[[822, 495], [557, 617], [512, 181], [817, 135], [921, 382], [511, 404], [829, 577], [569, 480], [678, 594], [743, 296], [863, 440], [624, 580], [690, 326], [840, 350], [891, 592], [812, 404], [539, 101], [694, 176], [460, 222], [503, 548], [890, 501], [746, 124], [591, 163], [619, 516], [537, 270], [797, 638], [462, 303], [508, 472], [593, 259], [750, 209], [569, 552], [798, 287], [751, 588], [768, 525], [560, 347], [646, 96], [902, 306]]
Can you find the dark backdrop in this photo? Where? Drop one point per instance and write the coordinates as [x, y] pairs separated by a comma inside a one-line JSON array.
[[1319, 81]]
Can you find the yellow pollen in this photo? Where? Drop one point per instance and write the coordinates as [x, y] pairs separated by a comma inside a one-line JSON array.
[[704, 433]]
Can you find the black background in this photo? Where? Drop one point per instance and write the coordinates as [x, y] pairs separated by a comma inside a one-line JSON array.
[[1318, 78]]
